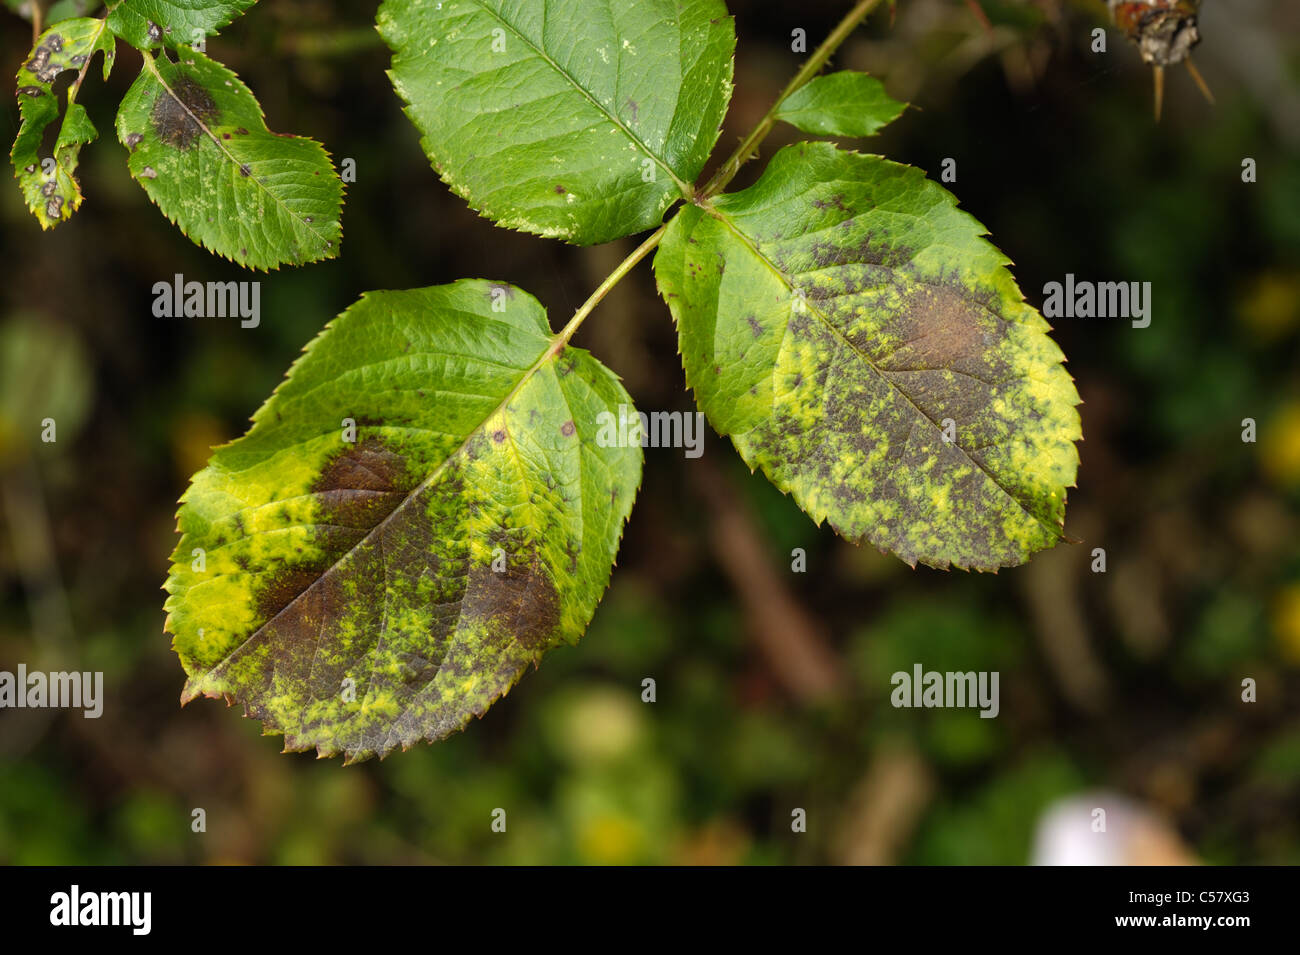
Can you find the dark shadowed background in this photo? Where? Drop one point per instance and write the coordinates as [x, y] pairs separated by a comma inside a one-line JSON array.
[[1122, 688]]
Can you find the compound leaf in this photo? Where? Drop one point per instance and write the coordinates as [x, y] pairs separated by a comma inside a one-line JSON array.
[[860, 341], [564, 118], [840, 104], [48, 183], [199, 146], [358, 595], [175, 23]]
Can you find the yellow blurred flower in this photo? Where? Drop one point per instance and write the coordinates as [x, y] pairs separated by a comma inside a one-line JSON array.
[[1270, 307], [193, 438], [609, 839], [1279, 447], [1286, 622]]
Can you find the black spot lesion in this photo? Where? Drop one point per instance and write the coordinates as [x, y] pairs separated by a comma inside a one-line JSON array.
[[181, 113], [43, 65], [834, 202]]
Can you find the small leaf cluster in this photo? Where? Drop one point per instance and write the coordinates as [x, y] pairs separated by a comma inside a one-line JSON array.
[[196, 139]]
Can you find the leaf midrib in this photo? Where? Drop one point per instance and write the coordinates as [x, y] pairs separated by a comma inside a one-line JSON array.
[[683, 187], [548, 353], [712, 210], [157, 74]]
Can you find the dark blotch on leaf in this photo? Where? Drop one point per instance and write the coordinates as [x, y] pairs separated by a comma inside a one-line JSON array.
[[180, 114], [522, 602], [358, 488], [283, 589], [361, 485]]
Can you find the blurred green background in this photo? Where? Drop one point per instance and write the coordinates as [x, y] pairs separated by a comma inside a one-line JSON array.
[[772, 687]]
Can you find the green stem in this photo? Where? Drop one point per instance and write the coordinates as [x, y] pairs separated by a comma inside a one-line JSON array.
[[748, 147], [725, 173], [624, 267], [75, 88]]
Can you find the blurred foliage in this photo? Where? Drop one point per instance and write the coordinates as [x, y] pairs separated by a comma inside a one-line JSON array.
[[1128, 680]]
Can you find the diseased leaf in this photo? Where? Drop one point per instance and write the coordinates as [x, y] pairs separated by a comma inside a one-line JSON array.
[[48, 183], [200, 148], [841, 319], [564, 118], [357, 596], [840, 104], [175, 23]]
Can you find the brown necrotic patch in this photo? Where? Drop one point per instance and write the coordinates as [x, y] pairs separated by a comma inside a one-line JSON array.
[[181, 113], [357, 489], [522, 602], [939, 327], [361, 485], [281, 589]]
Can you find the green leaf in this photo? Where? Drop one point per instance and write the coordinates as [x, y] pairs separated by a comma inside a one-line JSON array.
[[834, 317], [64, 9], [567, 119], [175, 23], [51, 189], [470, 527], [57, 12], [200, 148], [840, 104]]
